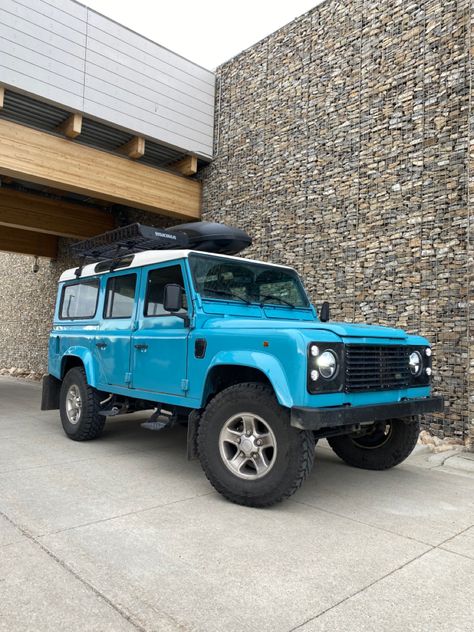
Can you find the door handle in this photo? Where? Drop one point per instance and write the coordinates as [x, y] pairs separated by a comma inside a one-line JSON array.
[[141, 347], [100, 345]]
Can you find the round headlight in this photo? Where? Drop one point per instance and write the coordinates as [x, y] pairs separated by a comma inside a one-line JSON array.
[[415, 363], [327, 364]]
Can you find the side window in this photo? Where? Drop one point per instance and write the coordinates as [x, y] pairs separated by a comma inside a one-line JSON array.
[[79, 300], [120, 296], [156, 281]]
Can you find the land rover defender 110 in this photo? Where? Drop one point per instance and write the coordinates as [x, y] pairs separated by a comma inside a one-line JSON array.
[[173, 322]]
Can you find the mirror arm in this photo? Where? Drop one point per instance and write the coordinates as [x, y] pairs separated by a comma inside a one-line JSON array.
[[184, 317]]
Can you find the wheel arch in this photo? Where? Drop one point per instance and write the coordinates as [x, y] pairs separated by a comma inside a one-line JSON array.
[[79, 356], [228, 369]]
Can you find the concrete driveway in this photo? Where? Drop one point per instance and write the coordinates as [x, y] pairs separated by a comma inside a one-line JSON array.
[[122, 533]]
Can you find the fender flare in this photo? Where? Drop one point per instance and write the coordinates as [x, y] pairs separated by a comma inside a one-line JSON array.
[[267, 364], [87, 360]]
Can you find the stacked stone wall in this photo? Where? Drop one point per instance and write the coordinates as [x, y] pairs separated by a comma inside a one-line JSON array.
[[342, 146]]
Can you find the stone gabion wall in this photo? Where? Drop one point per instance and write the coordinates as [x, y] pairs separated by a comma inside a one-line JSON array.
[[342, 146], [26, 311]]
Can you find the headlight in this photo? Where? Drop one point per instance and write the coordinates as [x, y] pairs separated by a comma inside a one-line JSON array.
[[327, 364], [415, 363], [325, 367]]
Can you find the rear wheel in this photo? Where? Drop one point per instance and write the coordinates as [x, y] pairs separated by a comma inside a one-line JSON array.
[[248, 450], [383, 446], [79, 406]]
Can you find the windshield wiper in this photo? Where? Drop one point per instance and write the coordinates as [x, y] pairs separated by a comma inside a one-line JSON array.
[[273, 297], [229, 293]]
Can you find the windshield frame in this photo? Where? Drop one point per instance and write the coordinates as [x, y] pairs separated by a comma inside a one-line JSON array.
[[249, 301]]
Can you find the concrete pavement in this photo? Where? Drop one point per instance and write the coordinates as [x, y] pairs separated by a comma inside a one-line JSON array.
[[122, 533]]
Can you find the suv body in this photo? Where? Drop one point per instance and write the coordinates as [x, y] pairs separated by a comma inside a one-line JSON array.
[[235, 347]]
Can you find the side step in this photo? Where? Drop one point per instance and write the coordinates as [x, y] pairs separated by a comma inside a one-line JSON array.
[[160, 420]]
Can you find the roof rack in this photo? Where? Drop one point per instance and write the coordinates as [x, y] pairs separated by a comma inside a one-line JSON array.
[[115, 244]]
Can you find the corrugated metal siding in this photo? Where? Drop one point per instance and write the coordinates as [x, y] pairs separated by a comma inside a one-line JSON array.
[[68, 54]]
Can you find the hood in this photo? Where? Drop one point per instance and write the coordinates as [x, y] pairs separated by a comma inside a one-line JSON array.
[[343, 330], [354, 330]]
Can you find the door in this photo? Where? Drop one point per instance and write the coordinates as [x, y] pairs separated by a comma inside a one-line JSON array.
[[118, 318], [159, 345]]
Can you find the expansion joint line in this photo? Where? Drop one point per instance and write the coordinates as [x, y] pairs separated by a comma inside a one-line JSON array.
[[29, 536], [431, 548]]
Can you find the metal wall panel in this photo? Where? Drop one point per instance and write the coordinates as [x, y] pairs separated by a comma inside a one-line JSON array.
[[42, 50], [62, 51]]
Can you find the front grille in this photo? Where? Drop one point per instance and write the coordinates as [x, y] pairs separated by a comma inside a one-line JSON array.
[[376, 367]]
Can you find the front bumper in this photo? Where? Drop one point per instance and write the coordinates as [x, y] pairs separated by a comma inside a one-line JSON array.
[[318, 418]]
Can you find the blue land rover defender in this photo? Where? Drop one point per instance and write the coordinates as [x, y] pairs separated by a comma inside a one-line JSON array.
[[169, 321]]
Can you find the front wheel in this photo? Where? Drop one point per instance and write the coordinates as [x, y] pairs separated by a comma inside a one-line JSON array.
[[381, 447], [79, 406], [248, 450]]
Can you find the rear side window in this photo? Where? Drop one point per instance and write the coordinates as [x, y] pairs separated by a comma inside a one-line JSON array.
[[157, 279], [79, 300], [120, 296]]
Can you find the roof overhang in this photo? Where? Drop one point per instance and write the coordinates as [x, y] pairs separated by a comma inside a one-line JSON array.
[[47, 159]]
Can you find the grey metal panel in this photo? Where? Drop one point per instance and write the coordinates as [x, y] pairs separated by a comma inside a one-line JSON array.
[[165, 86], [73, 9], [59, 12], [42, 51], [13, 55], [27, 68], [76, 9], [72, 29], [21, 39], [140, 43], [66, 53], [125, 95], [111, 46]]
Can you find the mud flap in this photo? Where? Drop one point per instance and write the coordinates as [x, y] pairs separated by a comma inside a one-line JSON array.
[[193, 423], [50, 394]]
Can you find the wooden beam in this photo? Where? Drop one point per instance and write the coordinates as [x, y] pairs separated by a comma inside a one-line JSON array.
[[26, 242], [72, 126], [2, 96], [135, 148], [188, 166], [41, 214], [47, 159]]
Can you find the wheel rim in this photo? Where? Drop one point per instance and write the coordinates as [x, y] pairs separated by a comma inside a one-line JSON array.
[[247, 446], [379, 436], [73, 404]]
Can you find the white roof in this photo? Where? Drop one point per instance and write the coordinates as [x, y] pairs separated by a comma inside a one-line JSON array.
[[148, 257]]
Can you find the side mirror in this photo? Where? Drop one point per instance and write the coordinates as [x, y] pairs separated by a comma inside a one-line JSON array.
[[324, 312], [172, 297]]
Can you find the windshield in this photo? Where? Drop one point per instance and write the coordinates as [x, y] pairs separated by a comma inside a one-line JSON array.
[[246, 282]]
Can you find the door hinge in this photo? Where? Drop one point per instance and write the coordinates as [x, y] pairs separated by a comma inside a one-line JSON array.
[[128, 378], [185, 385]]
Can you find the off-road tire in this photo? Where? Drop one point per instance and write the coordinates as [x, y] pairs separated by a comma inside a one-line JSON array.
[[398, 446], [90, 423], [295, 448]]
